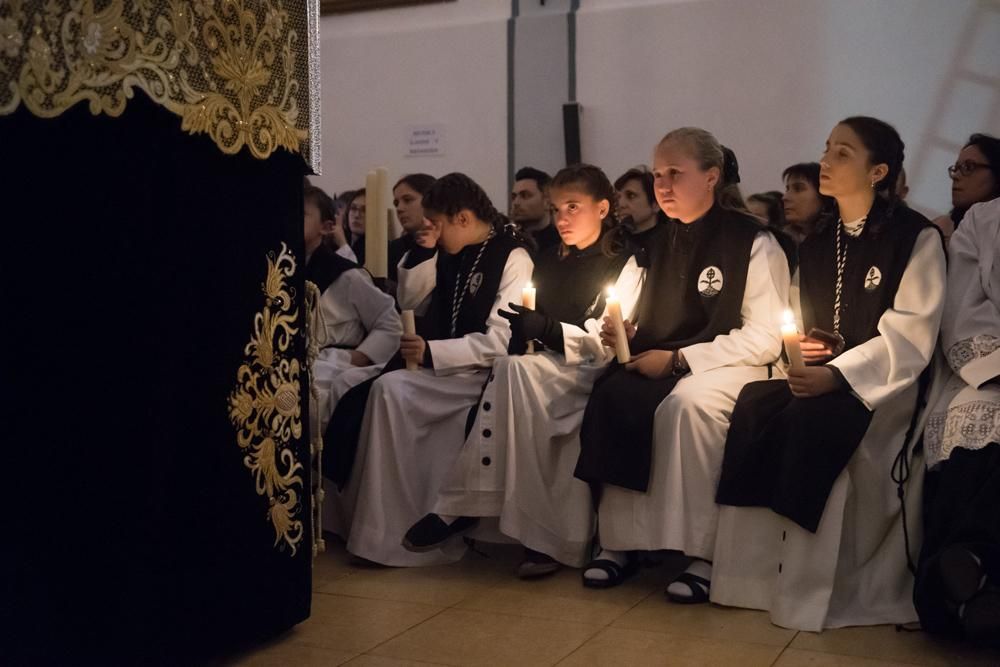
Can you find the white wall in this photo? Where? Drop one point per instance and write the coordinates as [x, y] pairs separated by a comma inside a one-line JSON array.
[[771, 77], [386, 69]]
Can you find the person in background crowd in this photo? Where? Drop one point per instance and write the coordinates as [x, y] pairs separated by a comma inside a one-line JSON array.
[[975, 177], [530, 207], [637, 202], [803, 203], [769, 207]]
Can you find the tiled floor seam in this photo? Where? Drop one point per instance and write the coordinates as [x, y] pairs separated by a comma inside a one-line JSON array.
[[404, 631], [784, 648]]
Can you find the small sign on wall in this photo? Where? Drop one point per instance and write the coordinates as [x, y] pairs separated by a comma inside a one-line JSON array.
[[424, 140]]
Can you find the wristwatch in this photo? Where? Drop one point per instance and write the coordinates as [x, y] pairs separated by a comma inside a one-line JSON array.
[[680, 366]]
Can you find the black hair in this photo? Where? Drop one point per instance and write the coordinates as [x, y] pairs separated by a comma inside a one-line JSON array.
[[456, 192], [419, 183], [322, 201], [540, 178], [594, 182], [990, 148], [884, 146], [809, 171], [645, 178], [772, 200]]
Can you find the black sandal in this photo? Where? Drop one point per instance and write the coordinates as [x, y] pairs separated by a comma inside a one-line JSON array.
[[698, 586], [617, 574]]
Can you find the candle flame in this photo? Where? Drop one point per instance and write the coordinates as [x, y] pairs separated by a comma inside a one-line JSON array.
[[611, 293], [529, 286], [789, 317]]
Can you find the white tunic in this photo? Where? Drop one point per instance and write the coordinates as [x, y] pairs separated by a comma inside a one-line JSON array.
[[678, 510], [347, 252], [965, 400], [414, 426], [518, 461], [852, 571], [355, 315]]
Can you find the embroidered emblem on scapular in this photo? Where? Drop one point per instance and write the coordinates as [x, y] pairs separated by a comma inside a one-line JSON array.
[[475, 282], [873, 279], [710, 281]]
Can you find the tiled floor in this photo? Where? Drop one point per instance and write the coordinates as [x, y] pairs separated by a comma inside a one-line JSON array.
[[477, 613]]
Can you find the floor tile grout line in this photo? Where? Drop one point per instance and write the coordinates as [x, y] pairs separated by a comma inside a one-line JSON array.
[[404, 631], [784, 648]]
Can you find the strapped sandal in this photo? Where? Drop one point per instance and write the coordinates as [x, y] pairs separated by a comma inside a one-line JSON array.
[[617, 574], [697, 585]]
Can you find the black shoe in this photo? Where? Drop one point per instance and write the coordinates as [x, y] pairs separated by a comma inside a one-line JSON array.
[[536, 564], [431, 531]]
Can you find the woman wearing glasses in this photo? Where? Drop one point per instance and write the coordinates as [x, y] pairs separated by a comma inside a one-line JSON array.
[[975, 178]]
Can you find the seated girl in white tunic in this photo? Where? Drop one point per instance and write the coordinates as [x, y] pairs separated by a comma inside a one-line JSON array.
[[812, 529], [957, 591], [517, 463], [467, 266], [361, 326], [708, 322]]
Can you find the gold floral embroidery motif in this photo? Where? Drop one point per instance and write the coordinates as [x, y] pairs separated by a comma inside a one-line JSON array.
[[236, 70], [265, 407]]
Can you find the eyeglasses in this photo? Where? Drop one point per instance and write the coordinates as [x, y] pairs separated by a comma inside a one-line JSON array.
[[966, 168], [360, 210]]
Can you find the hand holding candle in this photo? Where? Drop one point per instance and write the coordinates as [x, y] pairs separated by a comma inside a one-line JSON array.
[[621, 338], [790, 334], [528, 301]]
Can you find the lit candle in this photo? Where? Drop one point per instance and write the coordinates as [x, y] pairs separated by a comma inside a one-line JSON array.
[[528, 301], [409, 328], [790, 334], [621, 340]]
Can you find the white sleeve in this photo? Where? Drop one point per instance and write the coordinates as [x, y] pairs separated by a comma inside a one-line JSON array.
[[377, 312], [584, 344], [346, 252], [758, 341], [476, 350], [413, 291], [887, 364], [970, 328]]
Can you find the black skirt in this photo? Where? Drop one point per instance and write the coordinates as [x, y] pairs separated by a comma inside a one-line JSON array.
[[340, 441], [785, 453], [616, 438]]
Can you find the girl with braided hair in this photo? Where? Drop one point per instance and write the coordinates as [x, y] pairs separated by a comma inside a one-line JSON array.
[[811, 528], [465, 266], [517, 462], [708, 322]]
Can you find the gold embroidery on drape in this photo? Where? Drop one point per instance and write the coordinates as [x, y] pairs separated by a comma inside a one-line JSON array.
[[265, 406], [236, 70]]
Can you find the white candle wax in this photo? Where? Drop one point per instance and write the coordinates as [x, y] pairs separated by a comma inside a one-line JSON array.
[[621, 339], [528, 301], [378, 247], [790, 334], [410, 328], [371, 224]]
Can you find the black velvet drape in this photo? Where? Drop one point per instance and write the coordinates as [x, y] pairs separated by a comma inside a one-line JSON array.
[[133, 260]]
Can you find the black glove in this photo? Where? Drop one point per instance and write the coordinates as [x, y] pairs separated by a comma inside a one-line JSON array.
[[527, 324]]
